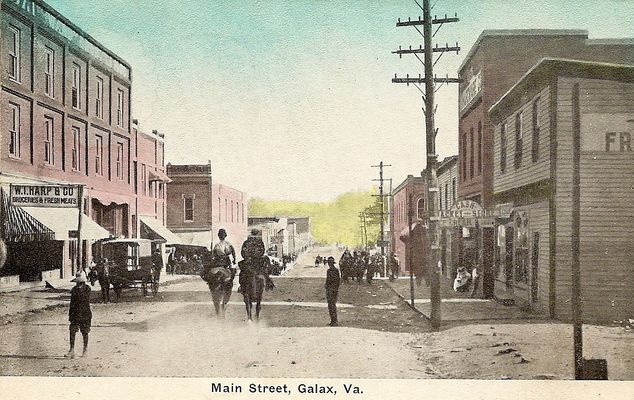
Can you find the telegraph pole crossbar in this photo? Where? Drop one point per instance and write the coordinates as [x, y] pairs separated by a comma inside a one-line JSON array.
[[429, 80]]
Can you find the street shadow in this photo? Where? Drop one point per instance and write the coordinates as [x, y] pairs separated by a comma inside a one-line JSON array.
[[30, 357]]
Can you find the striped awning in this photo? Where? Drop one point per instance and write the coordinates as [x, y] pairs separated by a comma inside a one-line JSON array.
[[19, 226]]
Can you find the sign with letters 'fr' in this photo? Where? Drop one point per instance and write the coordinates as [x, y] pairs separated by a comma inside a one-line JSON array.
[[612, 133], [44, 196]]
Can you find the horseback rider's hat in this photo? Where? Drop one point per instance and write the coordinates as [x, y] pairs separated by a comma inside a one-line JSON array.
[[331, 258]]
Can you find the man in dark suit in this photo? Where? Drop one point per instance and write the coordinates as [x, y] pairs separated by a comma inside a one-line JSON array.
[[333, 280]]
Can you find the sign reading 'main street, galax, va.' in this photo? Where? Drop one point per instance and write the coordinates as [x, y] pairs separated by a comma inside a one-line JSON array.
[[44, 195]]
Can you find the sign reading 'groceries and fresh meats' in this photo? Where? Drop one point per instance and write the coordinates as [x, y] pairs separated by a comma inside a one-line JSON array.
[[44, 195]]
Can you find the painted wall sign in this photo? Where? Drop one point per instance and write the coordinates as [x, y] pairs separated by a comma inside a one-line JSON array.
[[471, 91], [612, 133], [66, 196]]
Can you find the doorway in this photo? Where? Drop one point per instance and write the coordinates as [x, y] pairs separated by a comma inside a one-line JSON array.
[[535, 268]]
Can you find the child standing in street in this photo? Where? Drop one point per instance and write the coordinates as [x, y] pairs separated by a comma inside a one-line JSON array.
[[79, 314]]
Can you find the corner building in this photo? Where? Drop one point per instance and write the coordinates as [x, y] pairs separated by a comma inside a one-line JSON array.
[[65, 119], [497, 60], [558, 108]]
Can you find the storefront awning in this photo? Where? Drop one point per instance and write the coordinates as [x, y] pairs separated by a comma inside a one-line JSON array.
[[158, 176], [151, 228], [17, 225], [63, 221], [200, 238]]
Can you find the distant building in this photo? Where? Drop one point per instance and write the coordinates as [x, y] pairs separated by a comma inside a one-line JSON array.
[[283, 236], [409, 197], [197, 207], [560, 106]]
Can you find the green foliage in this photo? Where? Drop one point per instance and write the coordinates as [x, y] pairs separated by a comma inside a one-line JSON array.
[[333, 222]]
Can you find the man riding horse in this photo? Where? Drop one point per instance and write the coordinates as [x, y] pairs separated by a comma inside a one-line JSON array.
[[219, 272], [253, 253]]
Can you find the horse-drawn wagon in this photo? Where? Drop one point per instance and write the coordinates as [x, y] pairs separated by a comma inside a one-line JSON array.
[[126, 263]]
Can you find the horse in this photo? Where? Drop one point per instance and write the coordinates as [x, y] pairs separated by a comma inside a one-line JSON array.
[[220, 282], [102, 274], [253, 284]]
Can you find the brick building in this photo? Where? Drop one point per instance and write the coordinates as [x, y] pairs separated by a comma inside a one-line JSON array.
[[66, 119], [558, 111], [497, 60], [197, 208], [412, 188], [447, 173]]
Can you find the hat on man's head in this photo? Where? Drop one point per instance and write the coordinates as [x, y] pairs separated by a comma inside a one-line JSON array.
[[255, 232], [80, 277], [221, 232], [331, 258]]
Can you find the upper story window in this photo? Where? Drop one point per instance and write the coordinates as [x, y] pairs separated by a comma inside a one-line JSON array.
[[76, 89], [454, 192], [99, 98], [75, 153], [120, 108], [188, 209], [519, 139], [119, 161], [231, 210], [535, 144], [420, 208], [98, 155], [144, 179], [49, 72], [226, 211], [447, 195], [471, 154], [503, 147], [464, 157], [14, 130], [219, 214], [14, 61], [479, 147], [49, 141], [440, 197]]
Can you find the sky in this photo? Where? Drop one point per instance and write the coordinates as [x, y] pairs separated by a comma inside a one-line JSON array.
[[293, 99]]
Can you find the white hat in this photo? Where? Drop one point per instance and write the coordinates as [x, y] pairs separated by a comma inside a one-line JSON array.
[[80, 277]]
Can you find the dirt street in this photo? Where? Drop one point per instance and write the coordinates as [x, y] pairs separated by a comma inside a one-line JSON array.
[[177, 334]]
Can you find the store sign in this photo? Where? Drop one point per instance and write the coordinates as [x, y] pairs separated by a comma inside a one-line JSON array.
[[503, 210], [471, 91], [44, 196], [611, 133]]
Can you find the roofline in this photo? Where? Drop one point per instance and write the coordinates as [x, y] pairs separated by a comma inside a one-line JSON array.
[[447, 160], [519, 32], [406, 181], [610, 41], [81, 32], [543, 63]]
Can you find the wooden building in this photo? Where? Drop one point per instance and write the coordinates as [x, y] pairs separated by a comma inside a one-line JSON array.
[[559, 109]]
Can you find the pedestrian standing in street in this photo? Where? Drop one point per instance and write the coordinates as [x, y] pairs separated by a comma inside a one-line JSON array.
[[79, 314], [333, 280]]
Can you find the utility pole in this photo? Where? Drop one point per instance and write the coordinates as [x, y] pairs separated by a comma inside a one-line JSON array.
[[364, 227], [430, 135], [381, 196]]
